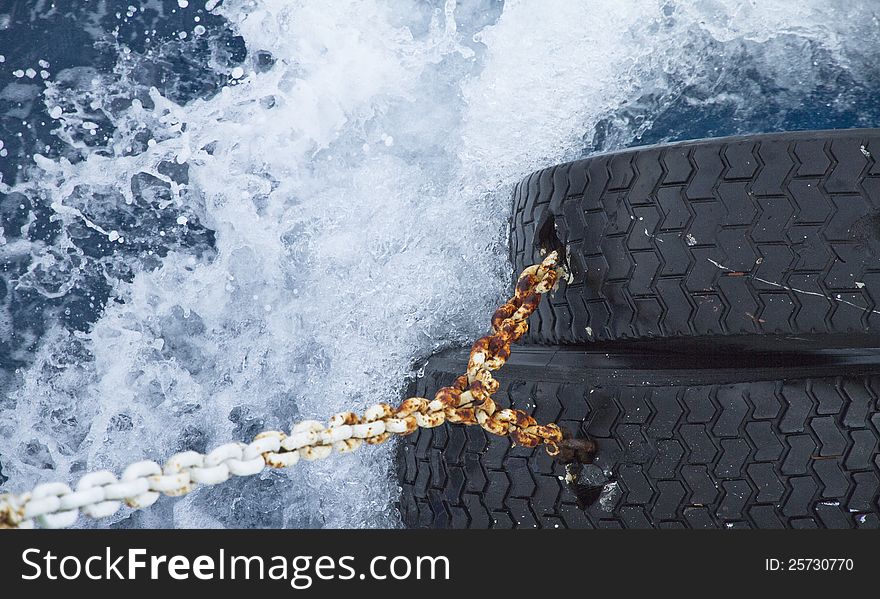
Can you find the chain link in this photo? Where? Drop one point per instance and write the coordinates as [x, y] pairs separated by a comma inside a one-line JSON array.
[[467, 401]]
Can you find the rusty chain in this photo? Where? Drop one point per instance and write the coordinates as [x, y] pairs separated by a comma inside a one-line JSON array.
[[468, 401]]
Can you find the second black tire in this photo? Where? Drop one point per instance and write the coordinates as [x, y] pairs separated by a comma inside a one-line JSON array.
[[783, 441], [744, 241]]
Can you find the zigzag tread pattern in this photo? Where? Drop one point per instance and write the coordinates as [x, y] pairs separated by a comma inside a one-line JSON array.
[[771, 454], [774, 234]]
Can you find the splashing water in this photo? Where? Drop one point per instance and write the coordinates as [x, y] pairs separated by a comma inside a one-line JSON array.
[[220, 219]]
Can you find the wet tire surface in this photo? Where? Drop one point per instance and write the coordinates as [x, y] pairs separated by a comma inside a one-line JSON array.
[[725, 239]]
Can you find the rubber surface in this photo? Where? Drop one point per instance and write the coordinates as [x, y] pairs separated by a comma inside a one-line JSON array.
[[685, 443], [725, 240]]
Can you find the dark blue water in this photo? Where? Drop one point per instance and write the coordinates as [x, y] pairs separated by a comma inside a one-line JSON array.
[[86, 33]]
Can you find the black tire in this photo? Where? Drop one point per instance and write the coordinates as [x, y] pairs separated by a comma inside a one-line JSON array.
[[779, 442], [745, 241]]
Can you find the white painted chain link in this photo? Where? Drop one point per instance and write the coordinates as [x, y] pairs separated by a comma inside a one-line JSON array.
[[101, 494]]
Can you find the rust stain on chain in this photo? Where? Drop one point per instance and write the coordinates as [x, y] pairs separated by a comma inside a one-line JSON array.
[[11, 513], [468, 400]]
